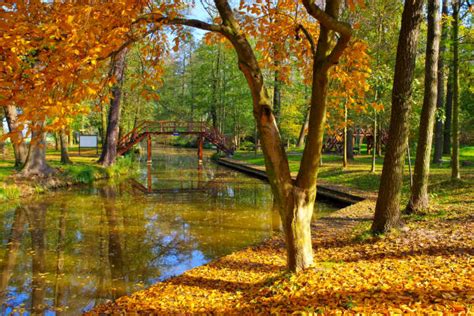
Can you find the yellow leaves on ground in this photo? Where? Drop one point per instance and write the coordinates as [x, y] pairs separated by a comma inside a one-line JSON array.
[[426, 269]]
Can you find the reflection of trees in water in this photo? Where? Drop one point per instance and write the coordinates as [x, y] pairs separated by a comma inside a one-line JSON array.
[[101, 246], [36, 214], [14, 242]]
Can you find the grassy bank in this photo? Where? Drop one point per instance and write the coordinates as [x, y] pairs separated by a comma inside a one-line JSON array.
[[84, 170], [357, 175]]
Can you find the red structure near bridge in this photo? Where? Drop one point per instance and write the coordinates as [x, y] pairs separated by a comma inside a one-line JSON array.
[[147, 129]]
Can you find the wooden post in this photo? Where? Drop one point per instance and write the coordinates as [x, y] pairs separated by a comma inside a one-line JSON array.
[[200, 143], [149, 182], [148, 161]]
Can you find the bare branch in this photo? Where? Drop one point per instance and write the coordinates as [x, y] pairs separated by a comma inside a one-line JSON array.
[[309, 37]]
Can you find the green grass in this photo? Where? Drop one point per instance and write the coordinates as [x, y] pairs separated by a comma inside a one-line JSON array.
[[357, 174]]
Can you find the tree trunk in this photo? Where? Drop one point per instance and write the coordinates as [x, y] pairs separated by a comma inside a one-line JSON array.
[[303, 129], [375, 137], [16, 137], [448, 112], [276, 93], [109, 150], [350, 144], [36, 164], [455, 174], [438, 138], [344, 137], [64, 150], [419, 199], [387, 211]]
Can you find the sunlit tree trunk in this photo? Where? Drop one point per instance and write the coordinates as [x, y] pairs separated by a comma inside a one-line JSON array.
[[303, 129], [19, 147], [64, 148], [387, 211], [36, 164], [455, 173], [438, 138], [419, 200], [109, 150]]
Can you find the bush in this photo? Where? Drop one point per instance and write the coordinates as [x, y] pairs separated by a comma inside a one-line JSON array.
[[123, 166]]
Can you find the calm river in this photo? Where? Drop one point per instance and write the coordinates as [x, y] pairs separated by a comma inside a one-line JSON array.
[[64, 252]]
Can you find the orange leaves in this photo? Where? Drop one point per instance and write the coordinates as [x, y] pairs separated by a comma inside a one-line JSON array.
[[425, 270]]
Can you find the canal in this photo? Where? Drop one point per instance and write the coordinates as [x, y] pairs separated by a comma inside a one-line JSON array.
[[66, 251]]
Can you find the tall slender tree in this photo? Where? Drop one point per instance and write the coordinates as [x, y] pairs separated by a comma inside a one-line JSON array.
[[419, 199], [117, 68], [387, 211], [438, 138], [455, 173]]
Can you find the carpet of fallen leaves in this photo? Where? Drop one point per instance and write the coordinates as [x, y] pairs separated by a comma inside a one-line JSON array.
[[426, 268]]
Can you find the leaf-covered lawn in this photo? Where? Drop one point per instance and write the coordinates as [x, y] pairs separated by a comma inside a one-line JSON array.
[[425, 268]]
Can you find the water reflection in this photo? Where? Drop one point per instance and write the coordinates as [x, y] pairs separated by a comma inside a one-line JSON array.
[[66, 251]]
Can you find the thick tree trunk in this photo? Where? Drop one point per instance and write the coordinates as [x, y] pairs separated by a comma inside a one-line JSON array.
[[387, 211], [109, 150], [16, 137], [64, 150], [455, 173], [36, 164], [296, 221], [438, 138], [419, 200]]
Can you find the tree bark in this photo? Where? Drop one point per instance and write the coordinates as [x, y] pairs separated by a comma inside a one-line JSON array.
[[109, 150], [277, 93], [448, 111], [419, 200], [36, 164], [64, 149], [344, 136], [303, 129], [16, 137], [438, 138], [455, 173], [387, 211]]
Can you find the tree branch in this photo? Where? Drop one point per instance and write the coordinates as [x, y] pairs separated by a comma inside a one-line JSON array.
[[309, 37], [325, 19]]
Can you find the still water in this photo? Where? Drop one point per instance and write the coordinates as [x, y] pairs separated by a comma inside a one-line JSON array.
[[66, 251]]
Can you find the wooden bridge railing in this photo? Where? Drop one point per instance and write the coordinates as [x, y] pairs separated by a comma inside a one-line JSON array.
[[145, 128]]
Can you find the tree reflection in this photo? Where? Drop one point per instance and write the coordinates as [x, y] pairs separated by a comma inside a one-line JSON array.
[[36, 214], [115, 254], [14, 242]]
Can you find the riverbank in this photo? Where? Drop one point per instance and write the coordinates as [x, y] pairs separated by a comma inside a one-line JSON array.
[[425, 268], [83, 170]]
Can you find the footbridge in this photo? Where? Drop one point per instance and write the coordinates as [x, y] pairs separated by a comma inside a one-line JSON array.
[[147, 129]]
